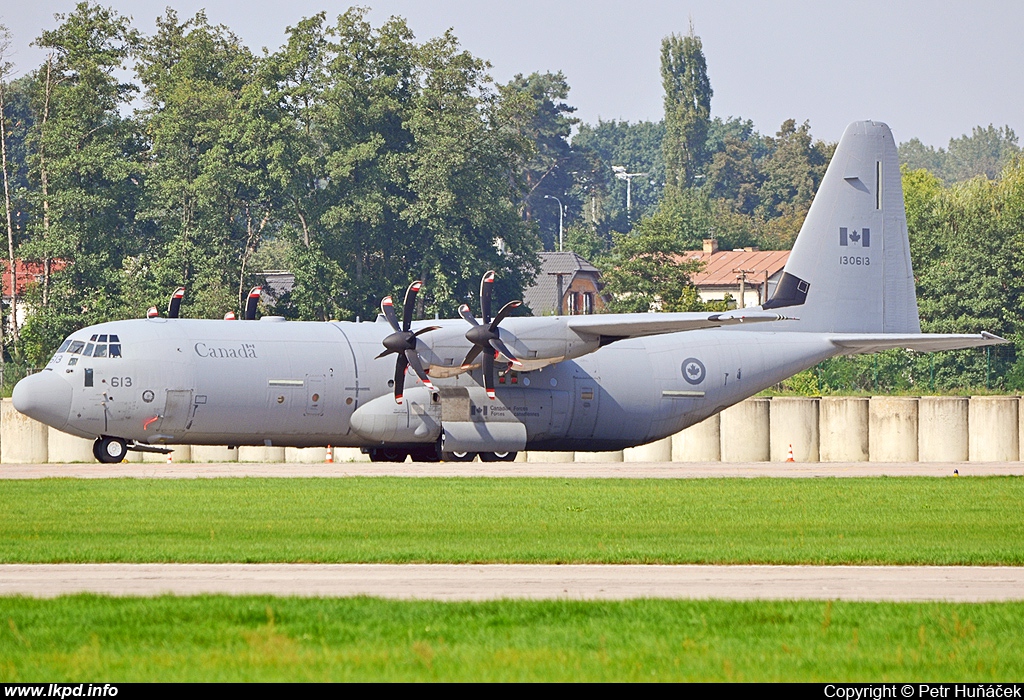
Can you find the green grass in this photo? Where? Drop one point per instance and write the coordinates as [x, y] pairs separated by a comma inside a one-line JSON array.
[[218, 638], [777, 521]]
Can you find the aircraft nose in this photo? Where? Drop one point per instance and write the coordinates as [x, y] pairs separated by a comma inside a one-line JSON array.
[[44, 396]]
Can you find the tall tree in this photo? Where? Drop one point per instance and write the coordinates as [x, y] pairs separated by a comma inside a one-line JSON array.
[[83, 172], [5, 71], [688, 92], [209, 193]]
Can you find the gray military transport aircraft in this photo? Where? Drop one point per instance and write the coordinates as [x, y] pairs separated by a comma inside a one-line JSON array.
[[591, 383]]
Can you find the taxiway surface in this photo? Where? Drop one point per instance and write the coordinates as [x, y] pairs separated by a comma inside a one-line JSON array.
[[451, 582]]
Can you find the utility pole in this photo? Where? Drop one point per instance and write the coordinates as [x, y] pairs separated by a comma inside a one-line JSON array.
[[620, 172], [741, 275], [560, 210]]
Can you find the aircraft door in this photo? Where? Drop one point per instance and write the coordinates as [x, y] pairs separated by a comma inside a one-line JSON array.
[[586, 393], [177, 409]]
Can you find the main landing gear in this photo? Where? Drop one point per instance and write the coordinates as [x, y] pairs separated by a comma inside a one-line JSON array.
[[484, 456], [109, 450]]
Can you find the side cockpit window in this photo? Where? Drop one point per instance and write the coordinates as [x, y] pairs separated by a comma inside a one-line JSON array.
[[76, 347], [64, 346]]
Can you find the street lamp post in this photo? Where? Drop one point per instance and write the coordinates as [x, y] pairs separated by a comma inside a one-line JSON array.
[[620, 172], [560, 210]]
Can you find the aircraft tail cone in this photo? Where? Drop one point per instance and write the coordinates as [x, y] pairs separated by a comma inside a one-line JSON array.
[[329, 458], [789, 455]]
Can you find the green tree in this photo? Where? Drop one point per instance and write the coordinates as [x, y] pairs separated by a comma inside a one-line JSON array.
[[209, 194], [792, 172], [688, 92], [635, 147], [646, 269], [83, 167]]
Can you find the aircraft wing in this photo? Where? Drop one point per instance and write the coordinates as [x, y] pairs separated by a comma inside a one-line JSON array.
[[618, 326], [857, 343]]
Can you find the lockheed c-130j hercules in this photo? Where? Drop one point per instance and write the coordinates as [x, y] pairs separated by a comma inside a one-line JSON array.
[[504, 384]]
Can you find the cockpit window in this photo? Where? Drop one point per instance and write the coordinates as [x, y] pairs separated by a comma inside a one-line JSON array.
[[115, 348], [100, 351], [76, 347], [102, 339], [88, 349], [114, 339], [64, 345], [93, 338]]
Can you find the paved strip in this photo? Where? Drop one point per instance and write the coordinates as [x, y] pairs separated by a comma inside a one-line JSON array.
[[470, 582], [567, 470]]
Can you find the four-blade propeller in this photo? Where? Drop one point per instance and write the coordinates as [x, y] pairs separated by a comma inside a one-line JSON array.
[[485, 337], [403, 341]]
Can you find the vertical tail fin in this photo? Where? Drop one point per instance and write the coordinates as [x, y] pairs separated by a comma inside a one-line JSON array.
[[850, 268]]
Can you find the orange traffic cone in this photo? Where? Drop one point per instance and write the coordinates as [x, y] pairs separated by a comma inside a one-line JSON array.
[[169, 460], [329, 459], [789, 456]]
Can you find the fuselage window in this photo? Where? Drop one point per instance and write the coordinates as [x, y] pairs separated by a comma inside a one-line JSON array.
[[88, 350], [72, 362], [100, 351], [115, 348], [64, 345], [76, 347]]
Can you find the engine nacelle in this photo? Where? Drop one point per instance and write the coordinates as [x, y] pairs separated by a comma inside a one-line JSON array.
[[417, 419]]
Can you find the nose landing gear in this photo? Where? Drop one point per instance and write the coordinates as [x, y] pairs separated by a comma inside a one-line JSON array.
[[109, 450]]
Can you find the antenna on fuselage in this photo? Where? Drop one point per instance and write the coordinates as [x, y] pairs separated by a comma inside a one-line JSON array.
[[250, 304], [174, 305]]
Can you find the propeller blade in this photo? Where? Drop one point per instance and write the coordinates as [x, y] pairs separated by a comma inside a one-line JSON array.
[[489, 374], [471, 355], [498, 345], [251, 302], [410, 303], [400, 377], [384, 354], [485, 295], [465, 312], [421, 331], [417, 367], [174, 305], [387, 307], [505, 311]]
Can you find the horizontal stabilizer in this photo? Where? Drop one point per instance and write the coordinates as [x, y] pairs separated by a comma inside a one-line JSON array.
[[637, 325], [858, 343]]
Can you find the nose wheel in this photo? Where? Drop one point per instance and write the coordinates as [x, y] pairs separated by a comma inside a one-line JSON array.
[[109, 450]]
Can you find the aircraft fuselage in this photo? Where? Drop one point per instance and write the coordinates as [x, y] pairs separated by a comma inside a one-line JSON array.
[[271, 382]]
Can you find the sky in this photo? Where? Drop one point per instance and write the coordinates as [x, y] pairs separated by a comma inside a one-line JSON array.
[[931, 70]]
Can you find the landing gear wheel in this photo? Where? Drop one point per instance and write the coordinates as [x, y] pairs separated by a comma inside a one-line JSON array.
[[458, 456], [425, 454], [498, 456], [388, 454], [109, 450]]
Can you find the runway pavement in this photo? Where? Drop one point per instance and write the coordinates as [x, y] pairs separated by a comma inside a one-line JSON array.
[[581, 470], [495, 581]]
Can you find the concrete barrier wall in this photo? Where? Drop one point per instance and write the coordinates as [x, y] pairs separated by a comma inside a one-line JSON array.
[[942, 429], [699, 443], [22, 440], [830, 429], [611, 456], [843, 429], [994, 429], [657, 451], [746, 433], [62, 448], [892, 429], [794, 424]]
